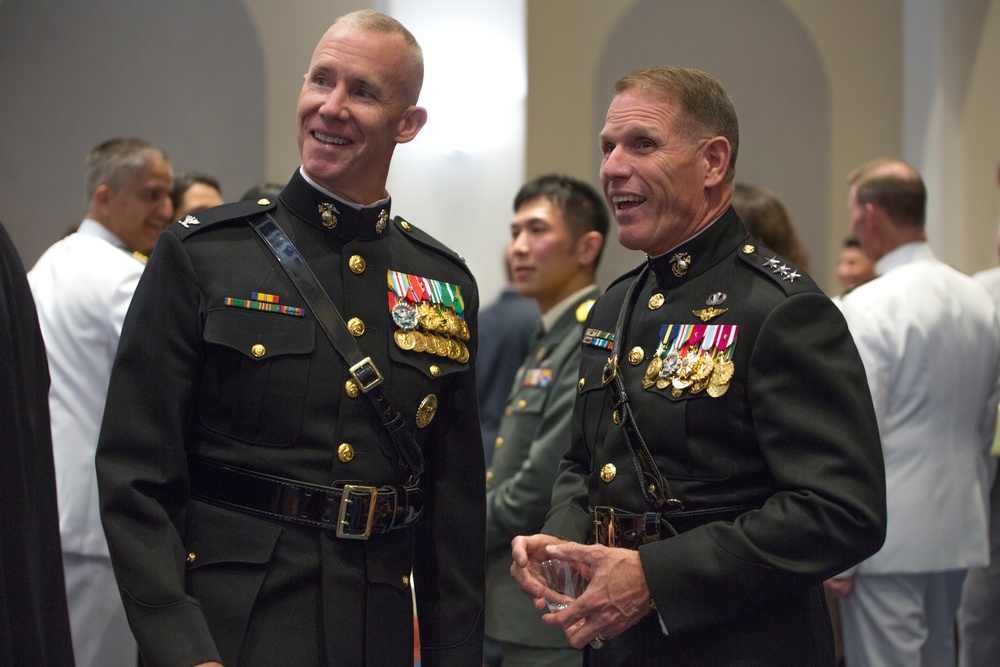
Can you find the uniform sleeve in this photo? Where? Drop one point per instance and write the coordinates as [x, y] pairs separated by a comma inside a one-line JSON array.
[[518, 505], [141, 465], [814, 424], [449, 567]]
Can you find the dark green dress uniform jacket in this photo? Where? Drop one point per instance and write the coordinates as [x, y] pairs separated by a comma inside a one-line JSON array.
[[794, 434], [533, 437], [195, 377]]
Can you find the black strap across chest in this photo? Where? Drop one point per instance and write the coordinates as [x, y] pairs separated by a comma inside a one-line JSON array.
[[361, 367]]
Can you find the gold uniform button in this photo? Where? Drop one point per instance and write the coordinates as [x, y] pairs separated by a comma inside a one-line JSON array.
[[489, 476], [581, 384], [357, 264], [608, 472], [405, 225], [263, 201], [636, 355], [616, 418], [351, 387], [435, 370], [747, 249], [655, 301], [406, 581], [258, 350], [345, 453], [355, 326], [498, 443], [522, 404], [509, 411], [190, 558], [426, 410]]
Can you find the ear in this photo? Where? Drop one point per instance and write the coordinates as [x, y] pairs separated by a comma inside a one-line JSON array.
[[101, 199], [588, 248], [413, 119], [718, 153]]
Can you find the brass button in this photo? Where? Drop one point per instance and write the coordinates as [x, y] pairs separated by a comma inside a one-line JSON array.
[[747, 249], [521, 404], [426, 410], [655, 301], [357, 264], [508, 412], [406, 581], [263, 201], [616, 418], [405, 225], [351, 387], [355, 326], [581, 384], [258, 350], [190, 558], [498, 443], [608, 472], [636, 355], [345, 453], [435, 370], [489, 476]]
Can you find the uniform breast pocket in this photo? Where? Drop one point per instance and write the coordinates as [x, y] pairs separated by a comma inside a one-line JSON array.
[[255, 373]]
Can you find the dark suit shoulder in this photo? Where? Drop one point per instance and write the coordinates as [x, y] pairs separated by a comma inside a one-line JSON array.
[[193, 224], [421, 238], [623, 281], [788, 276]]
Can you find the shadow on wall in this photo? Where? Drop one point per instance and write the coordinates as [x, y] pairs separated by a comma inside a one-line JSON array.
[[187, 75], [772, 70]]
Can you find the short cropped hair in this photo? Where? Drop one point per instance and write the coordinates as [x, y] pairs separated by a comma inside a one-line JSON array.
[[893, 186], [115, 161], [706, 110], [373, 21], [581, 206]]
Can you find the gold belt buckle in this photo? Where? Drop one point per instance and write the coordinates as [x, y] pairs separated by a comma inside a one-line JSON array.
[[604, 514], [345, 503]]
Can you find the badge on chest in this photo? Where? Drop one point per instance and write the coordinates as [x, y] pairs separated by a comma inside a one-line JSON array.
[[694, 358]]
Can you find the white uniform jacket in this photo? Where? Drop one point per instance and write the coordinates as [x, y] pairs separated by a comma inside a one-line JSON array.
[[930, 341], [82, 286]]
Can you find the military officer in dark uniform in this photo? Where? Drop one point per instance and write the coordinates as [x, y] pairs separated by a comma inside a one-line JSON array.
[[557, 236], [725, 456], [281, 453]]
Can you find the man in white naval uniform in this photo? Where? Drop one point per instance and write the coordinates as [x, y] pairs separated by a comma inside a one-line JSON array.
[[82, 287], [930, 341]]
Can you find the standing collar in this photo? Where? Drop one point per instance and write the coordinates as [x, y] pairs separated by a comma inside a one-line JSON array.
[[909, 252], [321, 209], [700, 252]]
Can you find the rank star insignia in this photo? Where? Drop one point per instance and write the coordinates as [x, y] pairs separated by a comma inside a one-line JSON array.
[[791, 276], [328, 214], [708, 313], [772, 263]]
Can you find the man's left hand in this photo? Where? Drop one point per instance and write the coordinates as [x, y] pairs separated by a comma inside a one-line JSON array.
[[617, 595]]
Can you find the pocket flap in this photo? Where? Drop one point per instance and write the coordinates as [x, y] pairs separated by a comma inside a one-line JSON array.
[[260, 335], [217, 535]]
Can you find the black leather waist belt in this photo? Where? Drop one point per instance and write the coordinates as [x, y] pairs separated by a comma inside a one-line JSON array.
[[616, 528], [354, 511]]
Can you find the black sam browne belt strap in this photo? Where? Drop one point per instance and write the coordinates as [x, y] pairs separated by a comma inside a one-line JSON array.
[[361, 367], [354, 511]]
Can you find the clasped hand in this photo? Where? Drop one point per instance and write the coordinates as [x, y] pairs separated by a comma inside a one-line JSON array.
[[616, 598]]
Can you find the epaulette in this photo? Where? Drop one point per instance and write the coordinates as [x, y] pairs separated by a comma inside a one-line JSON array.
[[211, 216], [787, 275], [417, 235]]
